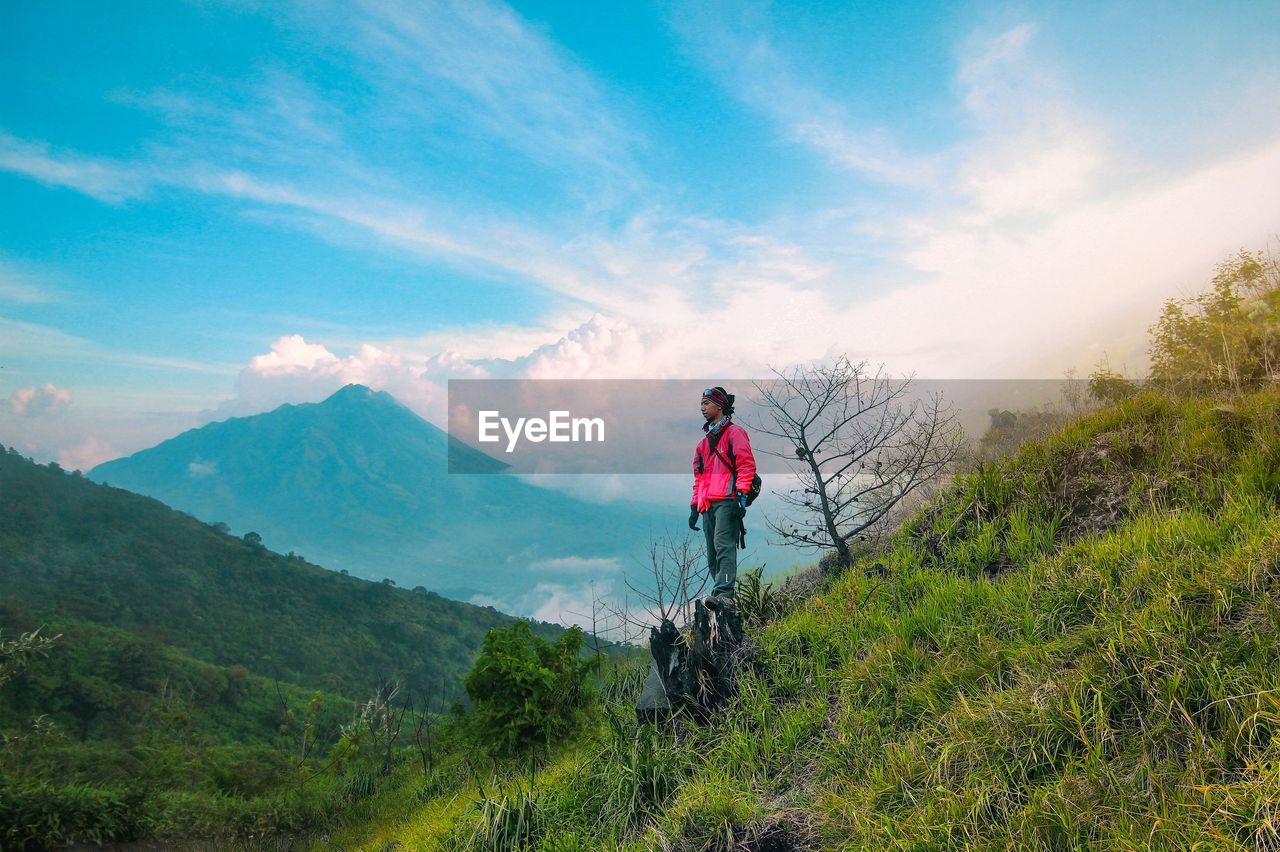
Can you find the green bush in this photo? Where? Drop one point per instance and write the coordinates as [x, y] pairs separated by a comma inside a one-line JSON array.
[[525, 691], [35, 815]]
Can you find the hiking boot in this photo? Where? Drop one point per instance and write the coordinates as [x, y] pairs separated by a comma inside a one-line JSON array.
[[715, 602]]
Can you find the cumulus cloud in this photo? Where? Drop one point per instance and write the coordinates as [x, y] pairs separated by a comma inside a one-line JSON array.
[[87, 454], [297, 371], [38, 402], [289, 354], [556, 603]]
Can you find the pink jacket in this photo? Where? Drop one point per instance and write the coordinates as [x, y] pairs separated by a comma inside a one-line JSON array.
[[712, 478]]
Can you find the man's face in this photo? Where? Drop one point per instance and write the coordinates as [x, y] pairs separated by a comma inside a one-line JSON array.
[[710, 410]]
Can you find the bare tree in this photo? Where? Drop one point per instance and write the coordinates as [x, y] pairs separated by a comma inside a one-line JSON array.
[[675, 576], [680, 576], [603, 622], [859, 443], [424, 725]]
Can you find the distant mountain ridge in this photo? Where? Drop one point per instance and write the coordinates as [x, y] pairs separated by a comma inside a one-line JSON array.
[[359, 482]]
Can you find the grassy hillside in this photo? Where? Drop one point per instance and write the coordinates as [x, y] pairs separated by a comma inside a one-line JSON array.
[[1075, 647]]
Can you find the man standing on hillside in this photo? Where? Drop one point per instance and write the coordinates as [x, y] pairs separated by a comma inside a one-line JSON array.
[[723, 467]]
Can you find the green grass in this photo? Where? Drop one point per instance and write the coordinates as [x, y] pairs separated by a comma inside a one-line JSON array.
[[1077, 647]]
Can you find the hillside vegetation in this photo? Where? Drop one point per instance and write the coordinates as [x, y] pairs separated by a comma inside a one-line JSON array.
[[71, 548], [200, 685], [1077, 645]]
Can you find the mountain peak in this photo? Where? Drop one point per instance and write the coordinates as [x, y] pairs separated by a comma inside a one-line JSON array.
[[354, 395], [354, 392]]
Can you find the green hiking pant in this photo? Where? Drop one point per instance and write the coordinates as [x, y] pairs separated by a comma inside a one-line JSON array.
[[721, 524]]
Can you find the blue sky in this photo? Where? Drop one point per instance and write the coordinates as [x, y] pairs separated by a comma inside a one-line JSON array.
[[213, 208]]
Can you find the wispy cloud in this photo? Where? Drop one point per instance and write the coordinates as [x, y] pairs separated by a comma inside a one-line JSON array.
[[738, 48], [24, 340], [495, 76], [1034, 151], [578, 565], [505, 79], [16, 286], [100, 178]]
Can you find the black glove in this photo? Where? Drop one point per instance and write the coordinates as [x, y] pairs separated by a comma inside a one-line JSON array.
[[693, 517]]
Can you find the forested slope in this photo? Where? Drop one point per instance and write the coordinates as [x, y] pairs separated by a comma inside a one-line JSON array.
[[74, 549], [197, 685]]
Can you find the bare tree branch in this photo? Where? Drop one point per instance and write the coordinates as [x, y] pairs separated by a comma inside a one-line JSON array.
[[678, 573], [860, 446]]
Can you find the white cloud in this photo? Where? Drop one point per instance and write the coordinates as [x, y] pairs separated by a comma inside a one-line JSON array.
[[87, 454], [577, 565], [562, 604], [199, 469], [17, 287], [297, 371], [1034, 151], [993, 68], [556, 603], [1021, 302], [39, 402], [99, 178], [290, 354], [502, 77], [1037, 172], [757, 74]]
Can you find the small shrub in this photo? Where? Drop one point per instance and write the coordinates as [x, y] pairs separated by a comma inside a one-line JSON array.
[[758, 602], [525, 691], [502, 823]]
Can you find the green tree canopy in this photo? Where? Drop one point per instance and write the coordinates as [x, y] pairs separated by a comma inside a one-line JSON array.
[[1227, 337]]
